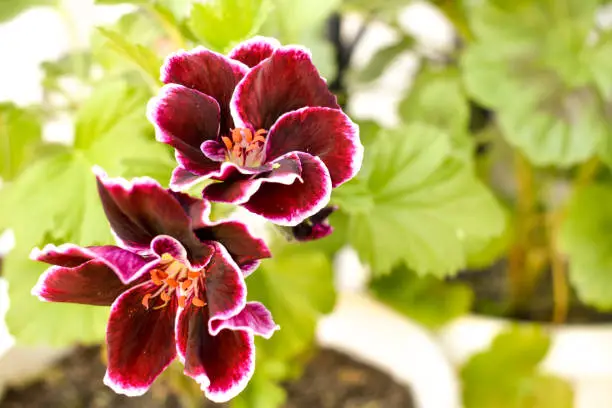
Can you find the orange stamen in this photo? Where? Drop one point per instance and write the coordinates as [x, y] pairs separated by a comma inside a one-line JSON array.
[[145, 300], [237, 150], [248, 135], [259, 139], [260, 133], [198, 302], [172, 282], [251, 147], [193, 274], [236, 135], [164, 296], [227, 142], [181, 301], [186, 284]]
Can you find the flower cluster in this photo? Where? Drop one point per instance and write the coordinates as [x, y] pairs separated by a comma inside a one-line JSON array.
[[264, 126]]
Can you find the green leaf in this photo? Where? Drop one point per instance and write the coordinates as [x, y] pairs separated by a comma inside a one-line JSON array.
[[506, 375], [20, 137], [221, 24], [422, 104], [414, 202], [11, 8], [292, 19], [383, 59], [34, 322], [428, 300], [585, 238], [540, 83], [141, 56]]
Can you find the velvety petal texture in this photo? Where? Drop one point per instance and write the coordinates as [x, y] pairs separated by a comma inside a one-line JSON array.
[[208, 72], [315, 227], [255, 50], [140, 342], [323, 132], [291, 204], [254, 318], [284, 82], [184, 118], [222, 364]]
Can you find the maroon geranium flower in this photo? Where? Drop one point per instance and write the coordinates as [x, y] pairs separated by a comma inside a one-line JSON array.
[[173, 285], [263, 122], [314, 227]]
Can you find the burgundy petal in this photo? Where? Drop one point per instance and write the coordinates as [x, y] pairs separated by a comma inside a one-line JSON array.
[[241, 244], [210, 73], [315, 227], [222, 364], [254, 318], [182, 178], [140, 341], [214, 150], [123, 263], [238, 187], [163, 244], [91, 283], [291, 204], [225, 288], [323, 132], [197, 209], [184, 118], [255, 50], [286, 81], [140, 210]]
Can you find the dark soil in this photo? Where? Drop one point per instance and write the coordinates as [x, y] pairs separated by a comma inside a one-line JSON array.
[[330, 380], [492, 298]]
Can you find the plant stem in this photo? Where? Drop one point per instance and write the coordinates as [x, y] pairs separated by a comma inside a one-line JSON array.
[[560, 284], [525, 206]]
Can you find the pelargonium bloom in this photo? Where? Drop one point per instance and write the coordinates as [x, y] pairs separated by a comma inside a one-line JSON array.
[[173, 285], [262, 122]]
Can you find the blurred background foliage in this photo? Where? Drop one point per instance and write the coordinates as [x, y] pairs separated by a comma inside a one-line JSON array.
[[501, 154]]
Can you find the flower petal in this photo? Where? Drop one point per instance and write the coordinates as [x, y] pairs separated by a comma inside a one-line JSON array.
[[91, 283], [286, 81], [184, 118], [140, 210], [123, 263], [242, 245], [238, 187], [222, 364], [214, 150], [315, 227], [254, 318], [210, 73], [255, 50], [140, 341], [197, 209], [323, 132], [225, 288], [182, 178], [291, 204]]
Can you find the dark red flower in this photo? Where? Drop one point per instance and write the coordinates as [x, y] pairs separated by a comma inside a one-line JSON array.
[[175, 285], [315, 227], [263, 122]]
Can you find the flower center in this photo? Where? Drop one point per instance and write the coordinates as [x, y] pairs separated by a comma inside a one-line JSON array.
[[175, 278], [244, 148]]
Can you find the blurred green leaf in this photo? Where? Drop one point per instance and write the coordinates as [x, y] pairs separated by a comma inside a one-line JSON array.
[[9, 9], [179, 8], [296, 286], [413, 202], [143, 57], [383, 58], [20, 137], [428, 300], [423, 104], [506, 375], [34, 322], [221, 24], [585, 238], [540, 82]]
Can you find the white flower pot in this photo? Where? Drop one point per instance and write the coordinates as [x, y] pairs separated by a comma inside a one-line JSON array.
[[580, 354]]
